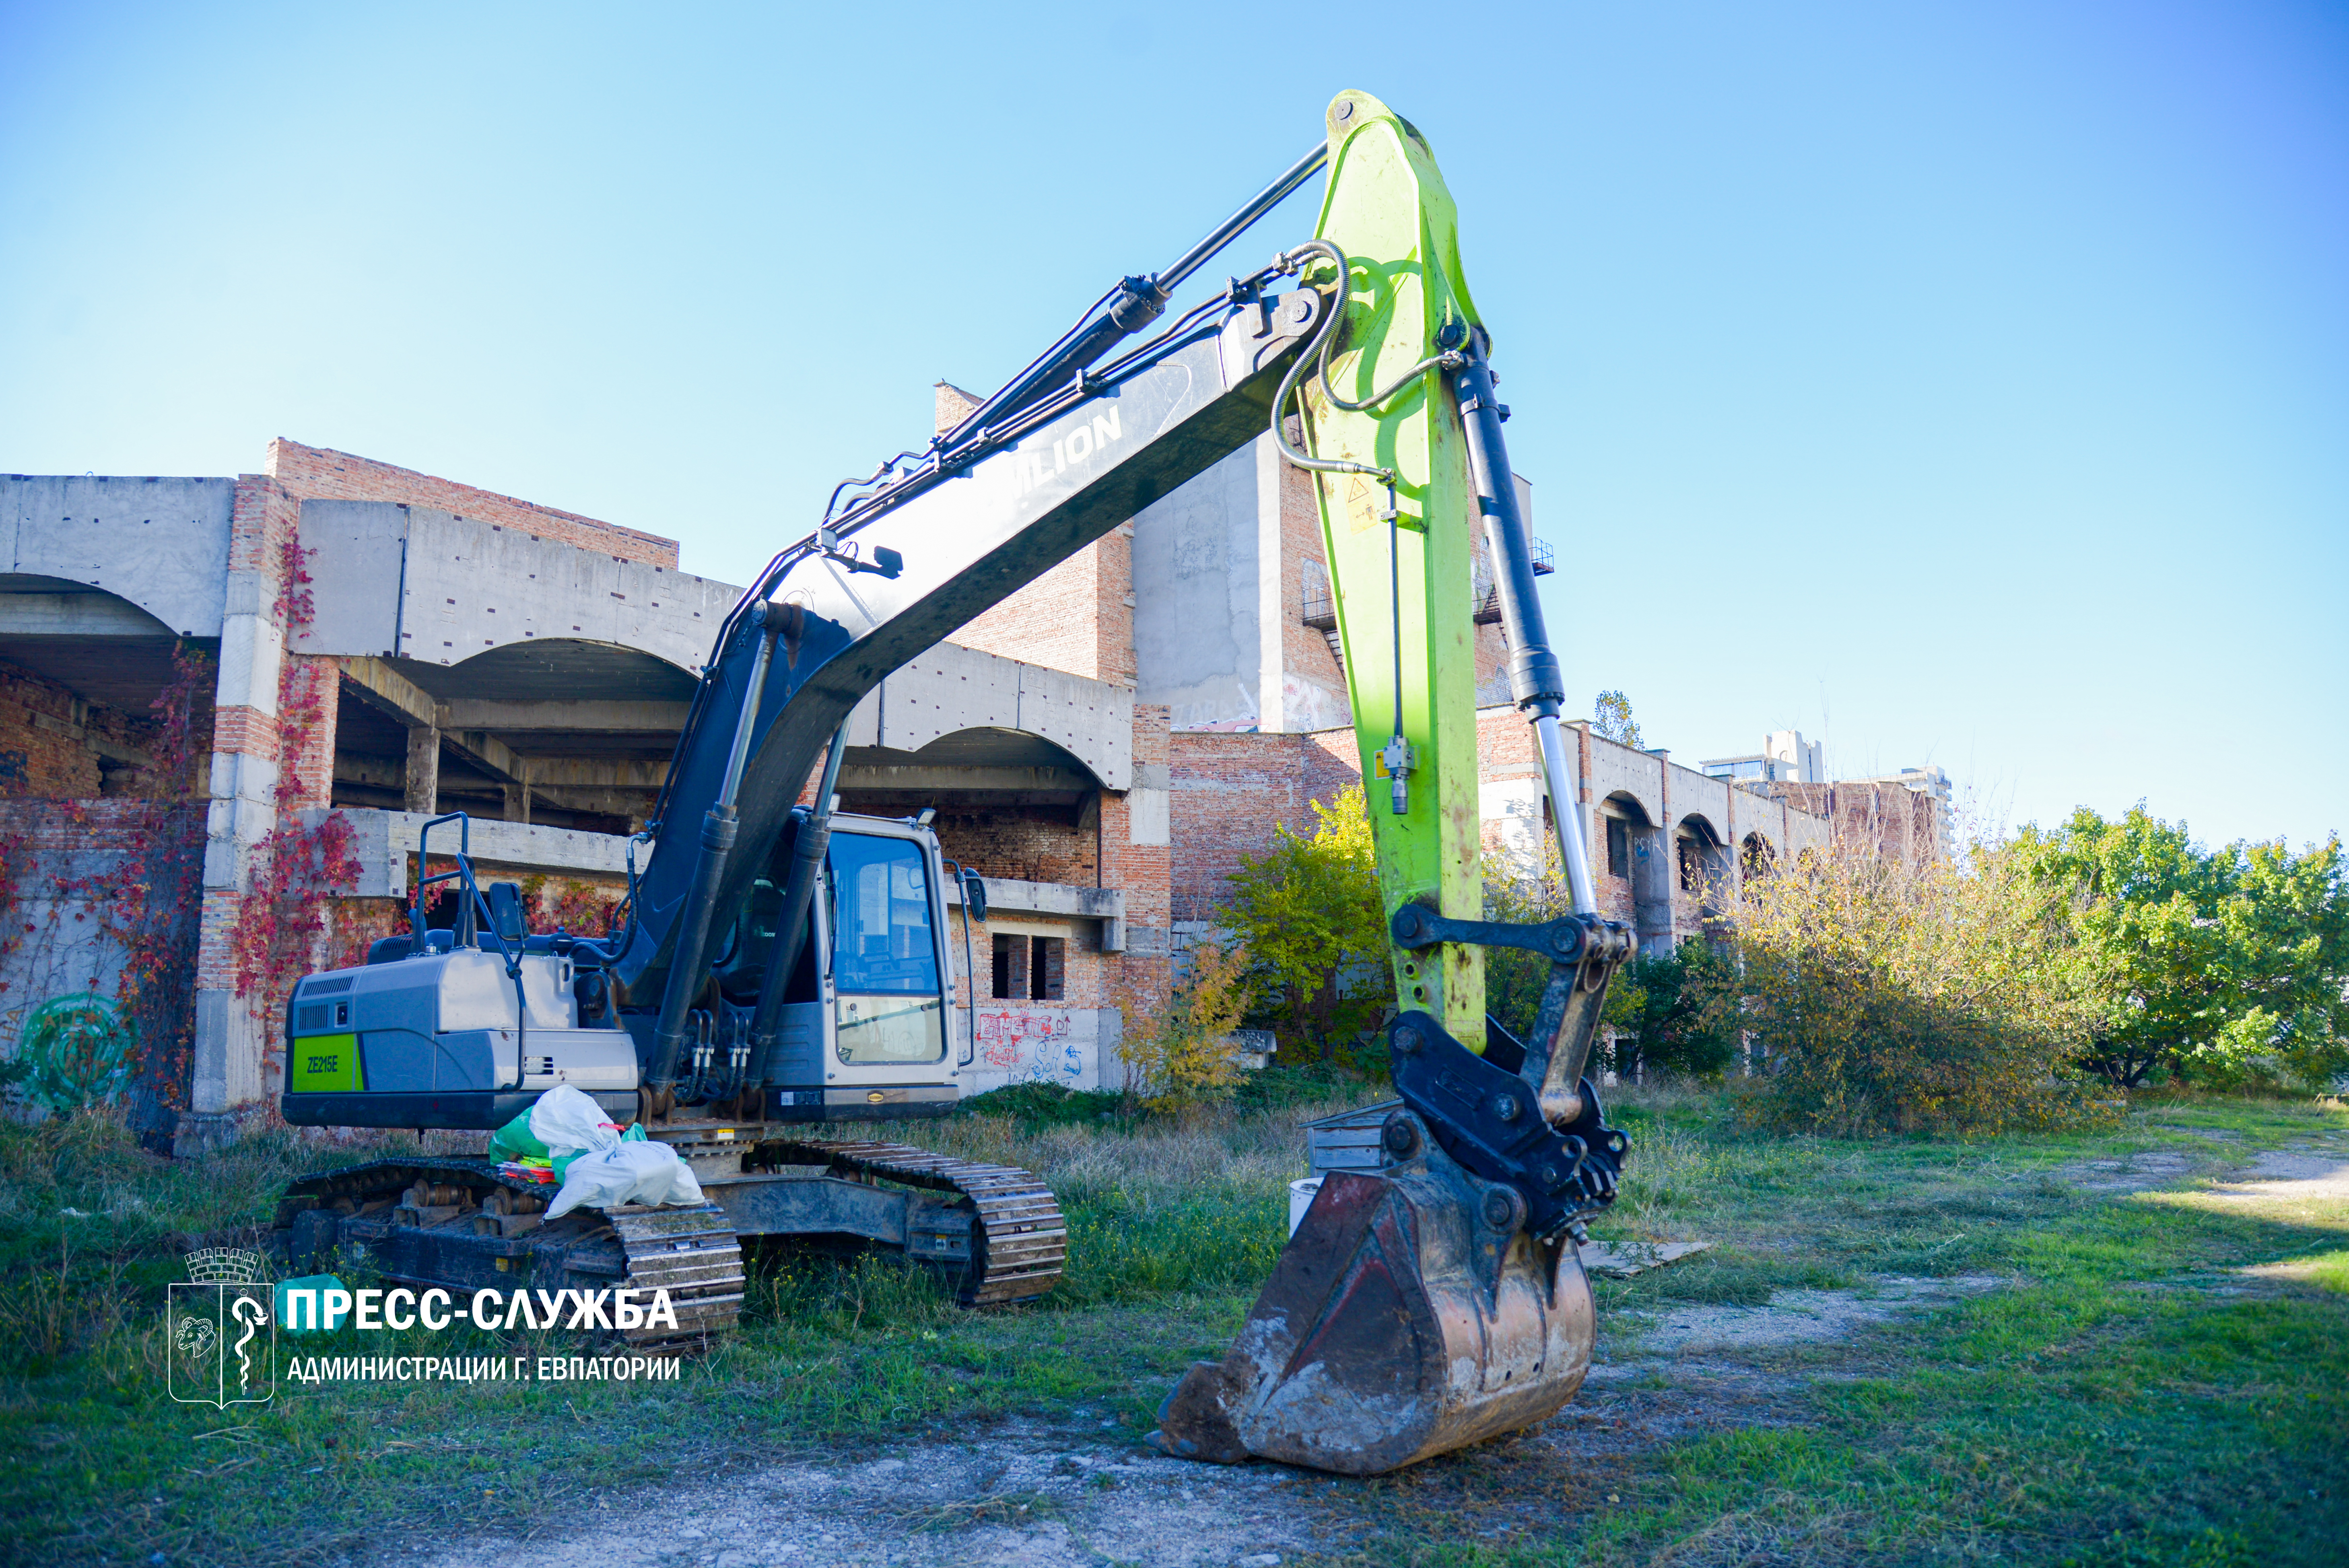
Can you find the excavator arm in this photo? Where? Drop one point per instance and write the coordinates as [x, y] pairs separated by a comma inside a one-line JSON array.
[[1435, 1300]]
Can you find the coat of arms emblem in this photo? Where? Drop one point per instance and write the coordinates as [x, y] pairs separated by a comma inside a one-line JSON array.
[[222, 1332]]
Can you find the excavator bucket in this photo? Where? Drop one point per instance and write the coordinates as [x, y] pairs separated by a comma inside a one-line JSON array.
[[1411, 1314]]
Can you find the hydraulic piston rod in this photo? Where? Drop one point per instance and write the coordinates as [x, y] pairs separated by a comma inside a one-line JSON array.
[[1136, 303], [1536, 681]]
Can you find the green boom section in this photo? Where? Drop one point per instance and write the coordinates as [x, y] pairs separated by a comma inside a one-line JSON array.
[[1386, 210]]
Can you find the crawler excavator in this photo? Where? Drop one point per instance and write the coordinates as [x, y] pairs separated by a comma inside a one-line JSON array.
[[785, 965]]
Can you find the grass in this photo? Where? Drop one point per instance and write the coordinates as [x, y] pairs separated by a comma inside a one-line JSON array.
[[1170, 1231], [2127, 1397]]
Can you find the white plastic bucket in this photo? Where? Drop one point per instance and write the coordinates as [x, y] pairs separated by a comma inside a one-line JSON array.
[[1300, 1198]]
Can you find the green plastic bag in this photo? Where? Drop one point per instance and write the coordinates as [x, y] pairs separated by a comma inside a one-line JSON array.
[[573, 1125], [514, 1141]]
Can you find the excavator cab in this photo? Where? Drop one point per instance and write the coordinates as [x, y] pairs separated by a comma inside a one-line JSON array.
[[867, 1026], [436, 1032]]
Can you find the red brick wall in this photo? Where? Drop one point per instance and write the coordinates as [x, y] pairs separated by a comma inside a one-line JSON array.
[[1072, 618], [1871, 817], [306, 750], [51, 741], [1022, 843], [85, 884], [317, 473], [1230, 793], [266, 514], [1077, 617]]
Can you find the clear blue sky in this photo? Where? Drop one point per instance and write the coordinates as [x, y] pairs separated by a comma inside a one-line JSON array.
[[1961, 382]]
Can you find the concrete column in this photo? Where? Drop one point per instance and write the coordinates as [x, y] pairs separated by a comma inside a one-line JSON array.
[[1273, 605], [1655, 871], [423, 778], [518, 800], [226, 1063], [1732, 874]]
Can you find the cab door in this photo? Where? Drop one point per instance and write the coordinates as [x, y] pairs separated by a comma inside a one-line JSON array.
[[883, 922]]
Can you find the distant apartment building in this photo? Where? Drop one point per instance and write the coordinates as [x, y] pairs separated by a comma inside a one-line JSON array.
[[1909, 815], [1784, 756]]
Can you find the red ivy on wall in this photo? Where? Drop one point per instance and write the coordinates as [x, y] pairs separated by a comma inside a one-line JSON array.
[[297, 870]]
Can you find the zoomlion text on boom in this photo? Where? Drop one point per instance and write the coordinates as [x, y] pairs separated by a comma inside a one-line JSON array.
[[307, 1308]]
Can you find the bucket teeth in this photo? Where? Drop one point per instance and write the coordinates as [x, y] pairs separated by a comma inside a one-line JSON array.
[[1399, 1323]]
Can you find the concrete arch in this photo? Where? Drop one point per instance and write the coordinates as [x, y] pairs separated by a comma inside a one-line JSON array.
[[1704, 867], [1766, 824], [1014, 805], [158, 543], [1698, 826], [98, 644], [556, 669], [994, 760], [1629, 807], [951, 690]]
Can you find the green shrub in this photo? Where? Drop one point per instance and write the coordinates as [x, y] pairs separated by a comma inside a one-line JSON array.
[[1660, 1007], [1886, 996]]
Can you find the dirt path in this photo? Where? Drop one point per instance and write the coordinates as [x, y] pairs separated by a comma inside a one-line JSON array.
[[1042, 1498], [2306, 1174], [1026, 1498]]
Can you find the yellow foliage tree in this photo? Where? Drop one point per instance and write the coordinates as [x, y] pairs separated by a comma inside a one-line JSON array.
[[1185, 1056]]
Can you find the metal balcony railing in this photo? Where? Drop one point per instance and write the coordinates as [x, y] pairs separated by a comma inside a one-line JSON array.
[[1488, 595]]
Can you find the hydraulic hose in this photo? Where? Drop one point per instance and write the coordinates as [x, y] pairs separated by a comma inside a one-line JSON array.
[[794, 920], [689, 964]]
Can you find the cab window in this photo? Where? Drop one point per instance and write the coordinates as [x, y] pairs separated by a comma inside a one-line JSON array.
[[884, 966]]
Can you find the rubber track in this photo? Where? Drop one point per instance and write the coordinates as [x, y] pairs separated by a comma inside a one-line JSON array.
[[1022, 1242], [692, 1254]]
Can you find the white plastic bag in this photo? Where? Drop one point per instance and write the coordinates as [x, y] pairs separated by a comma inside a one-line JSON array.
[[626, 1173], [567, 1121]]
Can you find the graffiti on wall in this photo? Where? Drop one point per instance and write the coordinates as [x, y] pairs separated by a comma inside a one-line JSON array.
[[1030, 1044]]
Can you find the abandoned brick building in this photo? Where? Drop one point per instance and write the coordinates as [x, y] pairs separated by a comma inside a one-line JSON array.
[[226, 702]]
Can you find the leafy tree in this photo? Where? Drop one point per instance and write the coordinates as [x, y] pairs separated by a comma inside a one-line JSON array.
[[1660, 1007], [2225, 967], [1612, 720], [1310, 913]]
